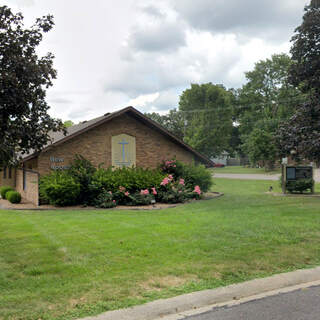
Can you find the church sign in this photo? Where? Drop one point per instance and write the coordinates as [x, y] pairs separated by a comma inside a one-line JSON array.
[[123, 151], [58, 164], [298, 173], [293, 174]]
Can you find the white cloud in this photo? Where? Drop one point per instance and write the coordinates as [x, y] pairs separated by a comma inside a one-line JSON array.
[[143, 100], [112, 54]]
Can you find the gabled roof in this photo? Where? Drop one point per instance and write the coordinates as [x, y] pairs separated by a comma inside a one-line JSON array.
[[58, 138]]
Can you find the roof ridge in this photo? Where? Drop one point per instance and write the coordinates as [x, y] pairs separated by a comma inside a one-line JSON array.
[[73, 131]]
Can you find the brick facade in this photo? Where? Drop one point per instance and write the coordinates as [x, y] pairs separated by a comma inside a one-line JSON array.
[[30, 188], [6, 179], [95, 145]]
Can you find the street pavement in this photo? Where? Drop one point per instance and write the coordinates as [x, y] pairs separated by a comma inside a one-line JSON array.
[[247, 176], [303, 304], [258, 176]]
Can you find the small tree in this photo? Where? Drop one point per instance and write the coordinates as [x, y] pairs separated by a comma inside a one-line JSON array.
[[260, 147], [24, 77]]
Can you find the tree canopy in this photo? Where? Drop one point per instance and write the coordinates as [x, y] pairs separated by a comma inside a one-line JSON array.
[[263, 102], [24, 78], [173, 121], [305, 50], [300, 135], [207, 110], [68, 123], [267, 95]]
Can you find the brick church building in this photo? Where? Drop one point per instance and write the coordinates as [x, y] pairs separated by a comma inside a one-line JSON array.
[[122, 138]]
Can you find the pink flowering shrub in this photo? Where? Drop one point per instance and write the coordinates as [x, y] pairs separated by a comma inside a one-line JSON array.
[[197, 190], [191, 175], [165, 181], [171, 167], [105, 200]]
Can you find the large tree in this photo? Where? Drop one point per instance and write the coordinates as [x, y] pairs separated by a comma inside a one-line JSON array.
[[263, 102], [172, 121], [207, 110], [24, 78], [305, 50], [300, 136], [267, 95]]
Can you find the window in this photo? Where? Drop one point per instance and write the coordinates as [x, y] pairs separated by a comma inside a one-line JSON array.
[[5, 173], [10, 173]]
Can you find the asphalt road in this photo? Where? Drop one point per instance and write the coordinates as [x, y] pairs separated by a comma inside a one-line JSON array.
[[303, 304], [247, 176], [258, 176]]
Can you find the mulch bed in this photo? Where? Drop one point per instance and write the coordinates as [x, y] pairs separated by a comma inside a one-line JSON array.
[[25, 205]]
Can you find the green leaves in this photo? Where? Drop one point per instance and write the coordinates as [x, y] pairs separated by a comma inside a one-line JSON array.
[[24, 76], [302, 132], [207, 109], [305, 50], [59, 188]]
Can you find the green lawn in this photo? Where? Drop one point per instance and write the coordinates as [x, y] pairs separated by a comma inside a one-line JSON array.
[[69, 264], [240, 169]]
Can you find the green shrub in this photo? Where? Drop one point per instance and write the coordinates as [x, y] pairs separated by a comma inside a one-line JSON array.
[[299, 185], [173, 196], [197, 175], [194, 175], [138, 199], [59, 188], [105, 200], [82, 171], [4, 190], [174, 167], [171, 191], [131, 180], [13, 196]]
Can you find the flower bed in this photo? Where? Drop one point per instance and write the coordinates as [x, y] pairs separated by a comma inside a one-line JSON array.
[[173, 182]]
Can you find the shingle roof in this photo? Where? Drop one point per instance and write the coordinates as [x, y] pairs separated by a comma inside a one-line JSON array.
[[73, 131]]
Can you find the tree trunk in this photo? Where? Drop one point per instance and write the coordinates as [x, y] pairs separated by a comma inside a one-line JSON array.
[[269, 165]]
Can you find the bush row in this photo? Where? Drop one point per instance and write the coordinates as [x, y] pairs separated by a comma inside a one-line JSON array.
[[84, 184]]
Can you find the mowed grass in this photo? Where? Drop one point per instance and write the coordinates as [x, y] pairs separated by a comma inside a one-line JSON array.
[[245, 170], [70, 264]]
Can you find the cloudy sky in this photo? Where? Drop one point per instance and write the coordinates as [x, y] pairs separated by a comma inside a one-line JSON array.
[[111, 54]]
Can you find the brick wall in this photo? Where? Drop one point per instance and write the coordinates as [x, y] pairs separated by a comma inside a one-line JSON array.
[[31, 190], [95, 145], [6, 181]]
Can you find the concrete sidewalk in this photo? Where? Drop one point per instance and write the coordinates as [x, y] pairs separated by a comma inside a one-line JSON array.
[[178, 307]]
